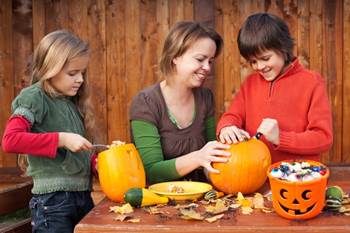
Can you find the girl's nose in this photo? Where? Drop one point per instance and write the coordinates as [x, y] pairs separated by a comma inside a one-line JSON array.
[[80, 78]]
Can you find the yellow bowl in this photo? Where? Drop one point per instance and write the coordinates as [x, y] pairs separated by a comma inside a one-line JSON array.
[[191, 190]]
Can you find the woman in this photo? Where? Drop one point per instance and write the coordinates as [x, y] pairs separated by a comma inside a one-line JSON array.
[[172, 122]]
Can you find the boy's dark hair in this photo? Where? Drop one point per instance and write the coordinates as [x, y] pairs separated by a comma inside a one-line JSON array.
[[263, 31]]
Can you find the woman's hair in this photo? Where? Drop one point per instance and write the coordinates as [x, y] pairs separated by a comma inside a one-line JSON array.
[[263, 31], [180, 38], [52, 53]]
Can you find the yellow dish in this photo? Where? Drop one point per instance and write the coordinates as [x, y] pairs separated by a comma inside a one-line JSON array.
[[181, 190]]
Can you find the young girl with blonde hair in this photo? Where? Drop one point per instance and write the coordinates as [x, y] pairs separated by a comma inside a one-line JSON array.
[[47, 123]]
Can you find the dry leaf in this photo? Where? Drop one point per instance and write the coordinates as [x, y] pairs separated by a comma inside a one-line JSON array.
[[190, 214], [245, 202], [267, 210], [124, 209], [122, 217], [189, 206], [154, 210], [219, 207], [235, 205], [258, 201], [343, 209], [214, 218], [133, 220], [246, 210]]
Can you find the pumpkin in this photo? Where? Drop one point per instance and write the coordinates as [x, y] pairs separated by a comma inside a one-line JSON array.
[[245, 171], [119, 169]]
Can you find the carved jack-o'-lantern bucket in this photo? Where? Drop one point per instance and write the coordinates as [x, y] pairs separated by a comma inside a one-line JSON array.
[[298, 199]]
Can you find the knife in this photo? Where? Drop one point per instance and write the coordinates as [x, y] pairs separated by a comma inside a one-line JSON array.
[[101, 146]]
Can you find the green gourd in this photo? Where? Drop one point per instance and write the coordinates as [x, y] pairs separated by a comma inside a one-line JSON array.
[[140, 197], [213, 194], [334, 198]]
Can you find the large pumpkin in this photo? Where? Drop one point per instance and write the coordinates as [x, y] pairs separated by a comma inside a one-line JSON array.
[[119, 169], [246, 169]]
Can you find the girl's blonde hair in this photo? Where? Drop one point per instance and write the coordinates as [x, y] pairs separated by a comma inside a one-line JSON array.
[[180, 38], [53, 52]]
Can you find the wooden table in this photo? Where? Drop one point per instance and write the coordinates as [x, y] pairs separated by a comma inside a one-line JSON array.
[[100, 220]]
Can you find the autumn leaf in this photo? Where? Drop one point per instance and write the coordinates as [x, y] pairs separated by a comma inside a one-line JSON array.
[[243, 201], [246, 210], [258, 201], [122, 217], [154, 210], [219, 207], [214, 218], [133, 220], [188, 206], [190, 214], [124, 209]]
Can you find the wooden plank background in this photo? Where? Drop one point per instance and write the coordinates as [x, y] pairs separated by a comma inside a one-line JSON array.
[[126, 38]]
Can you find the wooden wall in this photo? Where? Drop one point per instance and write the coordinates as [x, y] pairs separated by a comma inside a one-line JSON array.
[[126, 38]]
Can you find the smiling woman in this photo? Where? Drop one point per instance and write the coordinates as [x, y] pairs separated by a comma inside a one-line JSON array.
[[172, 122]]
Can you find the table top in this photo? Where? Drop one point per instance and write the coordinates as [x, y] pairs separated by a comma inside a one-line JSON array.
[[102, 221]]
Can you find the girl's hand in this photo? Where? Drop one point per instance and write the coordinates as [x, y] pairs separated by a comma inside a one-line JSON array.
[[232, 134], [269, 128], [212, 152], [73, 142]]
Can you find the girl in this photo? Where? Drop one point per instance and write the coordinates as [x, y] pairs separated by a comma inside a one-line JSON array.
[[281, 100], [172, 122], [47, 124]]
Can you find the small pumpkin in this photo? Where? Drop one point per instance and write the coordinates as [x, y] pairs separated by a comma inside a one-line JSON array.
[[119, 169], [245, 171]]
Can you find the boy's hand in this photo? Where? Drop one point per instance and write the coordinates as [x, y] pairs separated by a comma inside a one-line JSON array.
[[232, 134], [269, 128]]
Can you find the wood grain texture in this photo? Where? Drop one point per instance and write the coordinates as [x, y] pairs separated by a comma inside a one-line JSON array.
[[7, 82], [346, 83], [126, 39]]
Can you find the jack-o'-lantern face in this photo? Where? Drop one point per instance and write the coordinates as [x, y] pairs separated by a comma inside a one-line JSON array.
[[300, 201]]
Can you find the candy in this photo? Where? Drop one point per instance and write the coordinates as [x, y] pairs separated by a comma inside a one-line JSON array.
[[298, 171]]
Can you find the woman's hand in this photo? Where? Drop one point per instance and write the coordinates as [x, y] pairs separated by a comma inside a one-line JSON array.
[[212, 152], [232, 134], [73, 142], [269, 128]]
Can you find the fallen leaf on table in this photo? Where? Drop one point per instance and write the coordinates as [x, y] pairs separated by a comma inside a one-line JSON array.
[[190, 214], [246, 204], [133, 220], [188, 206], [343, 209], [246, 210], [122, 217], [258, 201], [124, 209], [214, 218], [267, 210], [219, 207], [154, 210], [235, 205]]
